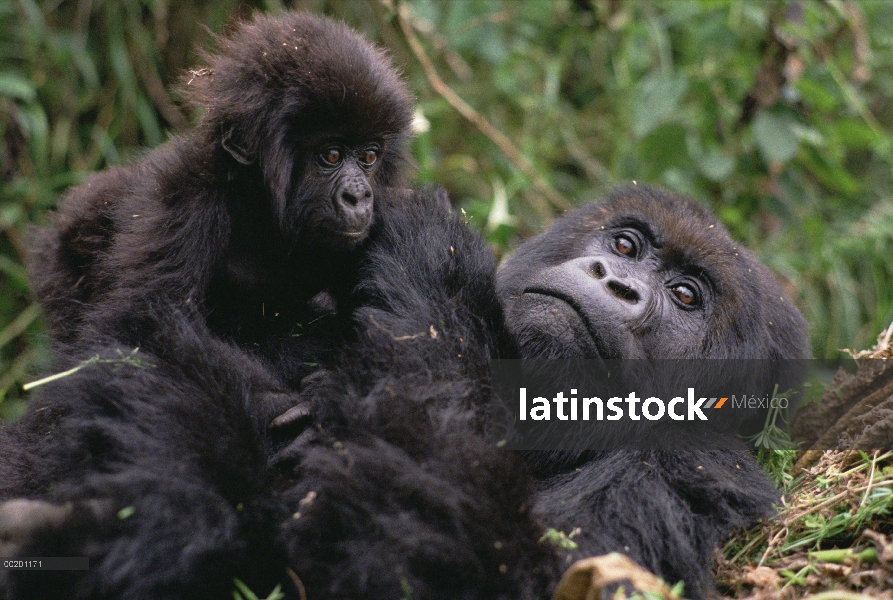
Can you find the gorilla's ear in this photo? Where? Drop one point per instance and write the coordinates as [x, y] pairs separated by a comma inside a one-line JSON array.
[[230, 143]]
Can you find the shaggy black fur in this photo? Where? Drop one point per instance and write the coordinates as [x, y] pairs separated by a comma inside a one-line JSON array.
[[159, 476], [241, 221], [401, 494], [405, 494], [175, 446]]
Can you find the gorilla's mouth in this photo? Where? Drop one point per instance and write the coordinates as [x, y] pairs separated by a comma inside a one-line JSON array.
[[577, 310], [356, 235]]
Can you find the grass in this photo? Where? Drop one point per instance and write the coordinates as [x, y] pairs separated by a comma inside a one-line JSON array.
[[834, 531], [243, 592]]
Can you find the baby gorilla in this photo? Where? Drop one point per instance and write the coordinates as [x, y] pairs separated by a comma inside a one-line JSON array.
[[240, 222]]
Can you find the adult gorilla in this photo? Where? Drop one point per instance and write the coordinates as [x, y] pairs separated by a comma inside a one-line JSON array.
[[398, 490], [649, 275]]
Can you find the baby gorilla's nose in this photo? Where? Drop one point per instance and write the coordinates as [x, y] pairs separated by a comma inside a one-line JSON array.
[[354, 200], [353, 193]]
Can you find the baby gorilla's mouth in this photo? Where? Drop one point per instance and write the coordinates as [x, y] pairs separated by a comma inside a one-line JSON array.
[[356, 235]]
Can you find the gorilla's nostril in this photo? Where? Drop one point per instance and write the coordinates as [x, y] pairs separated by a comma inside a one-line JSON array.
[[598, 270], [623, 291], [349, 199]]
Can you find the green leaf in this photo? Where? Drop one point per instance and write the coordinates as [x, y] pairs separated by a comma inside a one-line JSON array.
[[17, 87], [658, 98], [664, 148], [855, 133], [716, 165], [816, 95], [775, 137]]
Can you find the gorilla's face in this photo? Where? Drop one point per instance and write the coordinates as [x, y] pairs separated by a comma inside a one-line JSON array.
[[333, 199], [621, 297], [316, 113], [645, 275]]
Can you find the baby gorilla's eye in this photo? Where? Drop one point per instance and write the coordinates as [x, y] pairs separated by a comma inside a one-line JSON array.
[[625, 245], [331, 156], [685, 294], [369, 157]]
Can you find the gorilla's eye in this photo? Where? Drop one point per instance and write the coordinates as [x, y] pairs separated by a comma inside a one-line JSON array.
[[331, 156], [369, 157], [625, 245], [685, 294]]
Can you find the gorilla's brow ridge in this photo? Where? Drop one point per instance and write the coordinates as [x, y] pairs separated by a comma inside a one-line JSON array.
[[642, 225]]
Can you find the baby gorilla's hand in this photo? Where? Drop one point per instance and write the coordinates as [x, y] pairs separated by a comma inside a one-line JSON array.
[[300, 424], [279, 409], [297, 407]]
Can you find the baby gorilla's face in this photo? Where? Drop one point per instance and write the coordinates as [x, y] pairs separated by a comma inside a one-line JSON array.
[[645, 275], [334, 201]]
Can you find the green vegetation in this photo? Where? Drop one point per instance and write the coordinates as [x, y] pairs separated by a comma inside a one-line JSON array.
[[833, 532], [777, 115], [243, 592]]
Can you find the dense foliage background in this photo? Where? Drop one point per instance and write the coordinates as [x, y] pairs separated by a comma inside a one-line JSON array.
[[778, 115]]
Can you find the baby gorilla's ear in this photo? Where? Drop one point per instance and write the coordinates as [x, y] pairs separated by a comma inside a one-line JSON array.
[[236, 148]]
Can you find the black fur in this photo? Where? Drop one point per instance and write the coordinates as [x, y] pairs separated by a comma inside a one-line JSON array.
[[411, 497], [174, 445], [402, 493], [238, 223]]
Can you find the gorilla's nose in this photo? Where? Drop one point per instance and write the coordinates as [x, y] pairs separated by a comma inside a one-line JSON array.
[[618, 287], [623, 291], [598, 270], [354, 195], [354, 200]]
